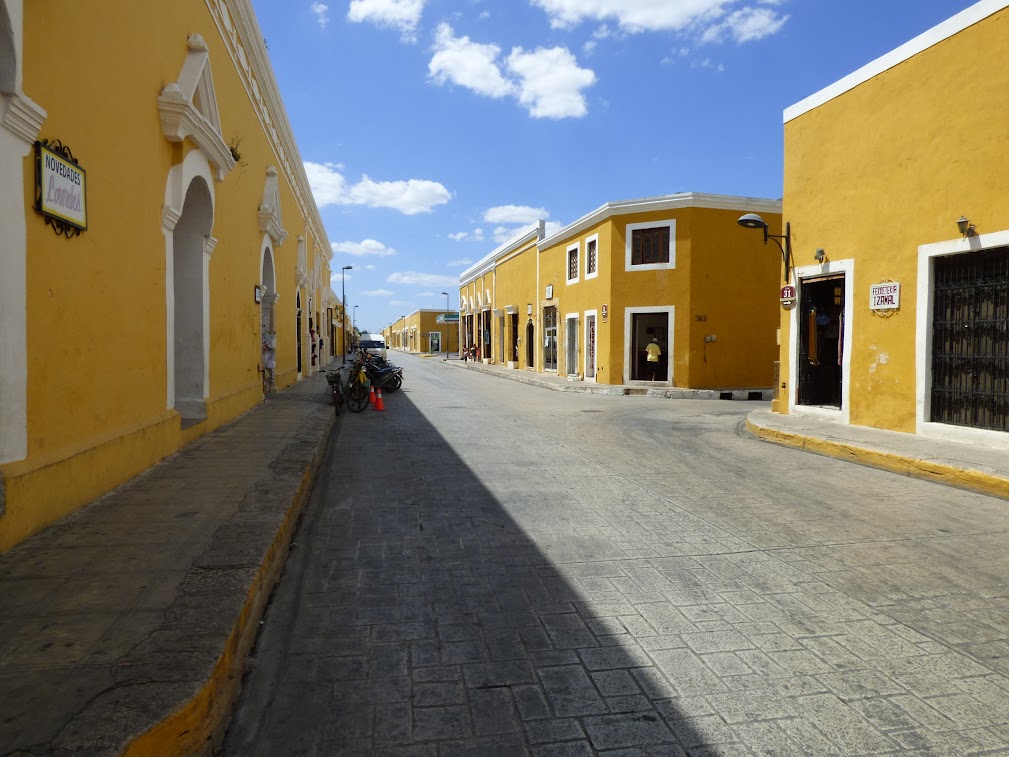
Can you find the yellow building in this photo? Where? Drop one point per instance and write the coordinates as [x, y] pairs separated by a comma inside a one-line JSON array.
[[674, 271], [425, 331], [894, 177], [164, 262]]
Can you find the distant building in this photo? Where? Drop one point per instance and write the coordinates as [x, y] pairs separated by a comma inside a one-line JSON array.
[[164, 263], [895, 189], [587, 301], [425, 330]]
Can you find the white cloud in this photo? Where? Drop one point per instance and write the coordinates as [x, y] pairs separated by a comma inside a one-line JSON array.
[[321, 11], [457, 60], [377, 293], [551, 228], [403, 15], [551, 82], [364, 247], [711, 18], [548, 82], [335, 276], [745, 25], [423, 279], [369, 267], [514, 214], [458, 236], [426, 294], [459, 262], [410, 197], [707, 63]]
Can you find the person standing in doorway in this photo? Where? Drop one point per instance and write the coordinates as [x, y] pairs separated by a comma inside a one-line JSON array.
[[654, 353]]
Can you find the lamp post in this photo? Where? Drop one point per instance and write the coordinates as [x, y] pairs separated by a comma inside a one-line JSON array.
[[753, 221], [353, 322], [343, 293], [447, 332]]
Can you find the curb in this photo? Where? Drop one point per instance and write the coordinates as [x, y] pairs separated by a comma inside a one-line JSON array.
[[620, 390], [929, 470], [197, 726]]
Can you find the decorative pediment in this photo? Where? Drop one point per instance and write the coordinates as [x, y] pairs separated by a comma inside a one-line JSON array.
[[270, 219], [188, 108]]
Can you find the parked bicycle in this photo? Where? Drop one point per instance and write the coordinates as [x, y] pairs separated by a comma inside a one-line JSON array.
[[335, 379]]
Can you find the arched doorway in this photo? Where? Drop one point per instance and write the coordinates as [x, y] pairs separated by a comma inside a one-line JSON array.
[[530, 344], [268, 329], [190, 266]]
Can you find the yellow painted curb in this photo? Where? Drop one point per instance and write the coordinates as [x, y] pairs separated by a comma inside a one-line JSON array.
[[198, 726], [960, 478]]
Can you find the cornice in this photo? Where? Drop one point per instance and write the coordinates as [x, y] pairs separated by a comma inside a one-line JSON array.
[[664, 202], [243, 38], [22, 116]]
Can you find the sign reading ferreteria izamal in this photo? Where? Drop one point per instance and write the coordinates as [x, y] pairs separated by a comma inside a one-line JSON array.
[[60, 188]]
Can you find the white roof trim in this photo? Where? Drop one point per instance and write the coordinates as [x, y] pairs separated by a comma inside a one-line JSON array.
[[664, 202], [935, 35], [486, 263]]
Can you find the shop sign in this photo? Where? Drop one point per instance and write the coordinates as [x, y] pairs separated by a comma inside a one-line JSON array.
[[787, 297], [885, 296], [60, 187]]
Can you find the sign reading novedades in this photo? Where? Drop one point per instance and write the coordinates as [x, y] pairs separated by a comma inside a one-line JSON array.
[[61, 188]]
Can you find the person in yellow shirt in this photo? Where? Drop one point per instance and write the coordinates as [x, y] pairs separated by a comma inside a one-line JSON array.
[[654, 352]]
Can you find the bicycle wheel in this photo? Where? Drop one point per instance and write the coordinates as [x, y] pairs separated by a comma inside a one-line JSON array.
[[357, 398]]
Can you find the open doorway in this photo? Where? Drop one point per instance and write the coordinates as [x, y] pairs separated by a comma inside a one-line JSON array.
[[550, 339], [571, 345], [821, 340], [649, 328], [530, 344]]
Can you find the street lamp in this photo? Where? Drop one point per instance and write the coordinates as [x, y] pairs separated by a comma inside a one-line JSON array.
[[353, 326], [446, 324], [343, 293], [753, 221]]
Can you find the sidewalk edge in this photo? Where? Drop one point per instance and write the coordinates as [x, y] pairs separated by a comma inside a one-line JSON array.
[[950, 475], [197, 726]]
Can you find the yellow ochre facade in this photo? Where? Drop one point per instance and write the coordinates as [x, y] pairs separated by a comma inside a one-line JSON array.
[[904, 323], [587, 301], [424, 331], [201, 280]]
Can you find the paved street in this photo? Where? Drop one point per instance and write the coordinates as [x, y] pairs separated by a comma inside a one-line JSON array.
[[493, 568]]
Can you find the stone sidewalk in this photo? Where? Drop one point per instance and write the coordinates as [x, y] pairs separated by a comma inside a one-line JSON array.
[[124, 628]]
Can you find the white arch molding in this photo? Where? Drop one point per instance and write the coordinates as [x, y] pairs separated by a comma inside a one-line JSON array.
[[20, 122], [192, 284]]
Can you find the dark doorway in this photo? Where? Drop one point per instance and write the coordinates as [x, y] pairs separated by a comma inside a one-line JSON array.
[[646, 327], [515, 337], [970, 340], [821, 340], [530, 344], [298, 327]]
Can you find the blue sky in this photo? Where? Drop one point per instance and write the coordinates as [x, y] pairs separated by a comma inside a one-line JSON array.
[[431, 130]]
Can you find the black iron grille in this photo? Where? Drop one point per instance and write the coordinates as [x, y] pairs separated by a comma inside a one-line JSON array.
[[970, 340]]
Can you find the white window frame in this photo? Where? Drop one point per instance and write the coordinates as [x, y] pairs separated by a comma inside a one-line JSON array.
[[833, 267], [628, 246], [594, 274], [576, 249], [923, 339]]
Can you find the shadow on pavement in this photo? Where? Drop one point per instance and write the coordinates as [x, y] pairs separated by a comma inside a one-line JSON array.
[[420, 615]]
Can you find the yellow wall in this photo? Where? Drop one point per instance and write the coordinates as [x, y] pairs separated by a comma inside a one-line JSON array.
[[515, 279], [96, 317], [886, 167]]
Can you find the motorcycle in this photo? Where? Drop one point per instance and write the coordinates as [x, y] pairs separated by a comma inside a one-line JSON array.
[[387, 377]]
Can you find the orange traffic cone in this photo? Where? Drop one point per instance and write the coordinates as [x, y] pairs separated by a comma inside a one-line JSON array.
[[379, 405], [371, 397]]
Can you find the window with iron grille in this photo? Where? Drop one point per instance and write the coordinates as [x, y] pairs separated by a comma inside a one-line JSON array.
[[572, 263], [970, 340], [649, 246], [590, 257]]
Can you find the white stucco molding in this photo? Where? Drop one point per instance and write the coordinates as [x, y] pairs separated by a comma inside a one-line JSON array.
[[271, 219], [22, 116], [300, 270], [188, 108]]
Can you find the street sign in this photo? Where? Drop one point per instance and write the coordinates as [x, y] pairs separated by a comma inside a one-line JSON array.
[[788, 297]]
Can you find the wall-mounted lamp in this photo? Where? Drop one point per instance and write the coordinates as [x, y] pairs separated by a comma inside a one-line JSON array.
[[965, 227], [753, 221], [257, 294], [820, 255], [529, 309]]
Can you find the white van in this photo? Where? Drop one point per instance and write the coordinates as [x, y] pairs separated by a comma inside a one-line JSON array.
[[373, 343]]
